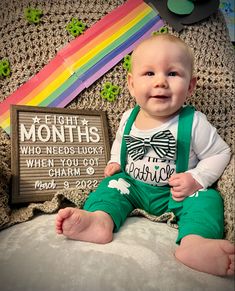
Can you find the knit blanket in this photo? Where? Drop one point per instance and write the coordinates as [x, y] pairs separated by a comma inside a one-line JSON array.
[[30, 47]]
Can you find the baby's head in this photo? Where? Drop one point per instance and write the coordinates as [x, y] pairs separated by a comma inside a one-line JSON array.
[[161, 76], [166, 38]]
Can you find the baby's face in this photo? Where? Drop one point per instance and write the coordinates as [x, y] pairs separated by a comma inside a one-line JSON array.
[[160, 79]]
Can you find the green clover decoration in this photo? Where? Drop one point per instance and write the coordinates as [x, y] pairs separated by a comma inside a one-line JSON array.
[[33, 15], [110, 92], [127, 63], [5, 70], [162, 30], [75, 27]]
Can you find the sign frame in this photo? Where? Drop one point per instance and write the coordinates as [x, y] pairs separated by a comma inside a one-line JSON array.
[[44, 189]]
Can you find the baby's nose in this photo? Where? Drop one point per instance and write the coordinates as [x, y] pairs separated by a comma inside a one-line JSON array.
[[160, 81]]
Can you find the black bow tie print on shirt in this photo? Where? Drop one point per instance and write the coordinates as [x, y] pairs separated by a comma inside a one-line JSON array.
[[162, 142]]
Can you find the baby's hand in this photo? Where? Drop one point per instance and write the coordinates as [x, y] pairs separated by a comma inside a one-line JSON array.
[[183, 185], [111, 169]]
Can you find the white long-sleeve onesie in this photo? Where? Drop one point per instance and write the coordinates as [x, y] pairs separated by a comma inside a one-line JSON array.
[[209, 153]]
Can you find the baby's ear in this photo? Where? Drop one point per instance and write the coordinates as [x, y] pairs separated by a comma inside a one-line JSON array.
[[130, 84], [192, 85]]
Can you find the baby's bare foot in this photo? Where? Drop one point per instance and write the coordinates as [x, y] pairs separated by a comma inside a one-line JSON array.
[[82, 225], [207, 255]]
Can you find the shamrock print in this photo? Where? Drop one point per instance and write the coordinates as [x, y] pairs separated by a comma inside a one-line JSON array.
[[121, 185]]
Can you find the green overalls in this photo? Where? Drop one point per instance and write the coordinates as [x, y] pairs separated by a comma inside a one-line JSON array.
[[199, 214]]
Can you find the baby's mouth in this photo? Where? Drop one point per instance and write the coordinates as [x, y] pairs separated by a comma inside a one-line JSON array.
[[160, 97]]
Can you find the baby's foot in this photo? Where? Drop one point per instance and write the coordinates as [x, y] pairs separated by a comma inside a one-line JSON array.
[[82, 225], [207, 255]]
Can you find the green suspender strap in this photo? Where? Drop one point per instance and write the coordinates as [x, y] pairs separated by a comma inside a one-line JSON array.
[[127, 130], [184, 138]]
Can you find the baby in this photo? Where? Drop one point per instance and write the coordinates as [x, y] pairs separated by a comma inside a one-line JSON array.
[[165, 158]]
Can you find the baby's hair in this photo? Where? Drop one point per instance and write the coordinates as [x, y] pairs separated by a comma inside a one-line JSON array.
[[174, 39]]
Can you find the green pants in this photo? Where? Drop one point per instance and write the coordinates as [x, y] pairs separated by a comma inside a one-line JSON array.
[[118, 195], [199, 214]]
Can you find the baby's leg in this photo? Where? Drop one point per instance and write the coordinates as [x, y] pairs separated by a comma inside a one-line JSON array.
[[74, 223], [213, 256]]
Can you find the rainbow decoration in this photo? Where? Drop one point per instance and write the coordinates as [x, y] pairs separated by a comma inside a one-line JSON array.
[[85, 59]]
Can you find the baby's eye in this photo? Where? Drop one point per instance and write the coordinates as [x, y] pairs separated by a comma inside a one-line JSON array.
[[172, 74], [149, 74]]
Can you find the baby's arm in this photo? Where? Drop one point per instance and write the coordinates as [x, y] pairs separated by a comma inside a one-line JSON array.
[[113, 165], [183, 185], [213, 155], [212, 152]]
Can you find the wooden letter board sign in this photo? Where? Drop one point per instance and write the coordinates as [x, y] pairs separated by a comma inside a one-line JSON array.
[[54, 149]]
